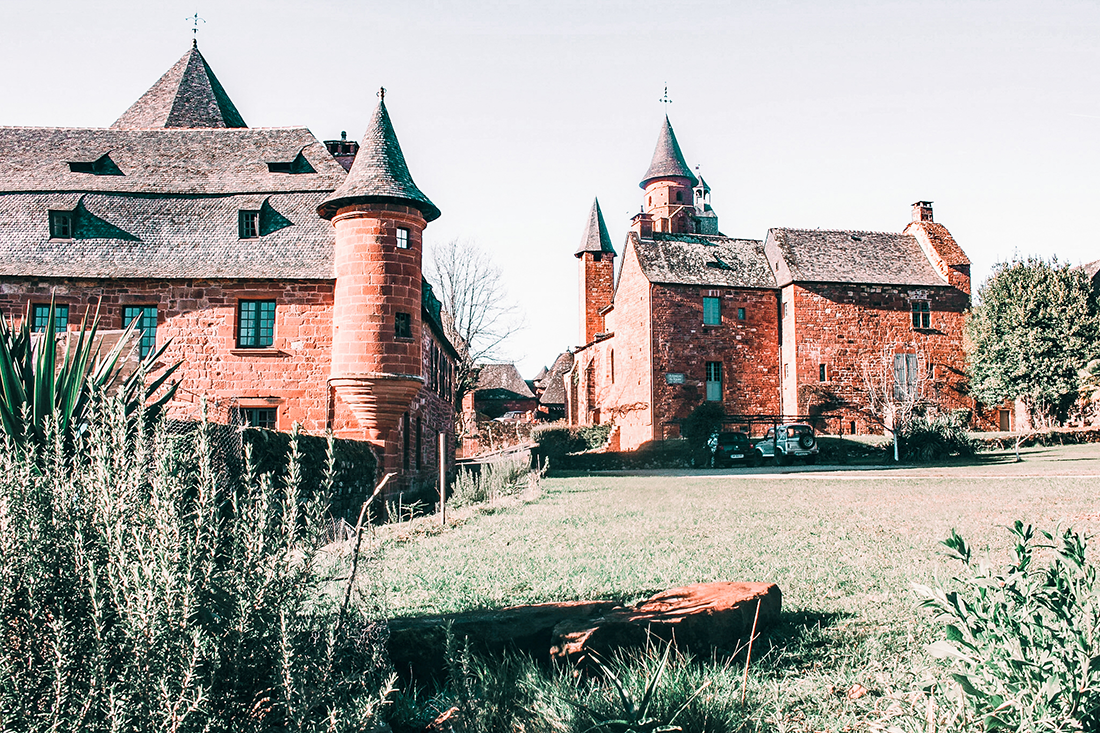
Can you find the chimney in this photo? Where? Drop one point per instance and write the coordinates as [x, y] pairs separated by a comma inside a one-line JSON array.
[[922, 211], [642, 224], [343, 150]]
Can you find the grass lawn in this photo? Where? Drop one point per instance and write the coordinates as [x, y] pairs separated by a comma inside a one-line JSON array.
[[843, 545]]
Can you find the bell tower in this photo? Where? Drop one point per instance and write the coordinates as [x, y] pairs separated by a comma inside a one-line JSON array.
[[597, 272], [379, 215]]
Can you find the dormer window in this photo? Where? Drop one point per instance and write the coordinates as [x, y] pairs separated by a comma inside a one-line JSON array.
[[298, 165], [61, 225], [248, 224], [101, 166], [402, 238]]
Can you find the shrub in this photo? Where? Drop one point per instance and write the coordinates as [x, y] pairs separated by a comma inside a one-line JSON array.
[[1022, 640], [492, 481], [555, 440], [934, 437], [701, 427], [140, 592]]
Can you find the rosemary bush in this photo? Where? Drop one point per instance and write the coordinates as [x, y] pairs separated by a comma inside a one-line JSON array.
[[140, 592]]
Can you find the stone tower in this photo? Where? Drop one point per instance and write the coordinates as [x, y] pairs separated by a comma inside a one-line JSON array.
[[379, 215], [597, 273], [668, 202]]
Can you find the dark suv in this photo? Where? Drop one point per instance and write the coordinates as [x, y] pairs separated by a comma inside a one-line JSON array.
[[734, 448]]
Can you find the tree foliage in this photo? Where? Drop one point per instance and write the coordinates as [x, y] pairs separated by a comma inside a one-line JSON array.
[[1034, 328], [478, 315]]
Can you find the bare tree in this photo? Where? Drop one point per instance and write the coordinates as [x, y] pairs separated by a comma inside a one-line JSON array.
[[478, 314], [895, 386]]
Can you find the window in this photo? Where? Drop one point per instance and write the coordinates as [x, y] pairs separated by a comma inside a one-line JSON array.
[[405, 437], [146, 317], [402, 238], [402, 326], [597, 257], [248, 224], [679, 196], [256, 324], [922, 315], [712, 311], [40, 317], [714, 381], [259, 417], [906, 378], [786, 370], [784, 310], [740, 314], [822, 373], [61, 225], [419, 442]]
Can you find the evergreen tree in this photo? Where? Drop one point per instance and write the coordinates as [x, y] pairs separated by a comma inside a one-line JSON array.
[[1035, 326]]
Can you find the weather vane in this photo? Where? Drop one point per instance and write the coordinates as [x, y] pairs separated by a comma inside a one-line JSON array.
[[195, 30], [665, 100], [382, 93]]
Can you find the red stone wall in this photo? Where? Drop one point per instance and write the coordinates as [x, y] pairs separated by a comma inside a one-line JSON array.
[[845, 326], [200, 317], [668, 214], [596, 288], [748, 350]]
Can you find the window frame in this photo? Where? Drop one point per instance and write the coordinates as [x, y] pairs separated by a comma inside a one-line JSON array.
[[253, 338], [250, 413], [402, 325], [402, 235], [61, 224], [822, 372], [713, 385], [147, 330], [921, 311], [60, 317], [741, 313], [248, 220], [713, 315]]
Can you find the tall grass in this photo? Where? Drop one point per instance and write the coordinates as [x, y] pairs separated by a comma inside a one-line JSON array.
[[494, 481], [141, 592]]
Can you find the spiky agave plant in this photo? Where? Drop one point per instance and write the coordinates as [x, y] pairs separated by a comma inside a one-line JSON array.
[[38, 381]]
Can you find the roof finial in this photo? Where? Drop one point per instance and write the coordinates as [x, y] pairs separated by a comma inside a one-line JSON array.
[[382, 93], [665, 100], [195, 30]]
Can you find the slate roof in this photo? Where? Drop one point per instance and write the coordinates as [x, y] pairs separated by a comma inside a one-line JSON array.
[[379, 173], [172, 161], [595, 238], [822, 255], [698, 259], [188, 95], [165, 237], [502, 378], [1092, 269], [667, 158], [554, 383]]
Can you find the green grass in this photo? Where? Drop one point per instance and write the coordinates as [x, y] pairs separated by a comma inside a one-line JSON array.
[[843, 546]]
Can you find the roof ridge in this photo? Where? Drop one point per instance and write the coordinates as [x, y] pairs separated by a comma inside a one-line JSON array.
[[838, 231]]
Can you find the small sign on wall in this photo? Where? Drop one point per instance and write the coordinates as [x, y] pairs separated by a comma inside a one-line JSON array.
[[674, 378]]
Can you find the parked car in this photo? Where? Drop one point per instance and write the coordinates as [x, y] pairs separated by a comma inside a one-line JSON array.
[[788, 441], [513, 416], [734, 448]]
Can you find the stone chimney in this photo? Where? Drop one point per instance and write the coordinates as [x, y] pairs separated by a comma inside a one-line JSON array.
[[343, 150], [922, 211]]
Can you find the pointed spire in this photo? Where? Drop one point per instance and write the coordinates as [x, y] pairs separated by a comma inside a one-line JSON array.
[[596, 238], [188, 95], [667, 159], [379, 173]]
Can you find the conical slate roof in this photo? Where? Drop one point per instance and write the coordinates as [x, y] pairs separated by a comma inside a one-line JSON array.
[[667, 158], [596, 238], [379, 173], [188, 95]]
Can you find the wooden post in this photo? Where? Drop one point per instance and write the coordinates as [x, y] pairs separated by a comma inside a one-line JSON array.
[[443, 478]]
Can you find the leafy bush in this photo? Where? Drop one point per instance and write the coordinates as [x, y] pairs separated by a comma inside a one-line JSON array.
[[1023, 640], [701, 427], [555, 440], [140, 592], [934, 437]]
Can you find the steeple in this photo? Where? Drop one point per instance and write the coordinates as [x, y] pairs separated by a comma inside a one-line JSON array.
[[667, 161], [596, 238], [188, 95], [379, 173]]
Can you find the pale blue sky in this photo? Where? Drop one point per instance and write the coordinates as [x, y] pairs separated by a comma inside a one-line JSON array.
[[514, 115]]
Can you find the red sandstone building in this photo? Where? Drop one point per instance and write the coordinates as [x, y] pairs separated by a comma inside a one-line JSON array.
[[290, 287], [783, 326]]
